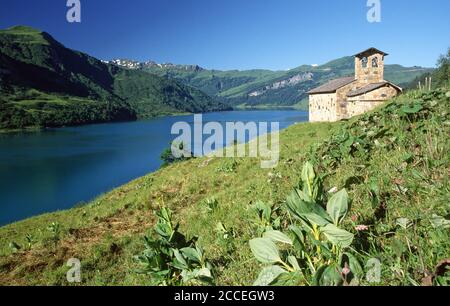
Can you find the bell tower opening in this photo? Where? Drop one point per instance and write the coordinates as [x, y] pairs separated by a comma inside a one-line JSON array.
[[369, 66]]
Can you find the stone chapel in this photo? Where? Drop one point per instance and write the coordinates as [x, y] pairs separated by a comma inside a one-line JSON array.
[[346, 97]]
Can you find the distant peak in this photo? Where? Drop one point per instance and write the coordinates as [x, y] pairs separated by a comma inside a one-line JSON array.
[[131, 64], [27, 34], [24, 29]]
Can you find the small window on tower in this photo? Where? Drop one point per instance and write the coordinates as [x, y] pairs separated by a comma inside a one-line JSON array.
[[375, 62], [364, 62]]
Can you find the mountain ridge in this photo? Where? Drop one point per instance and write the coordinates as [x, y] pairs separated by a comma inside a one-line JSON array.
[[267, 87], [45, 84]]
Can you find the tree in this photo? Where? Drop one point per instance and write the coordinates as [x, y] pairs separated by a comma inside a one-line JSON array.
[[168, 158], [442, 73], [440, 77]]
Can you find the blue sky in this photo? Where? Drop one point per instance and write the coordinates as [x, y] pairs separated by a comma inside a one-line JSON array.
[[241, 34]]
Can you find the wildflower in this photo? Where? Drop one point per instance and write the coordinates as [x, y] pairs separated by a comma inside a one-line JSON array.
[[333, 190], [362, 228], [346, 270]]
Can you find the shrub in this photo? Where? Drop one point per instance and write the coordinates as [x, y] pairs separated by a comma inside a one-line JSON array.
[[315, 251], [170, 258]]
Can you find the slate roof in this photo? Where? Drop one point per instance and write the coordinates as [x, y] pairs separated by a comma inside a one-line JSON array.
[[370, 50], [332, 86], [369, 88]]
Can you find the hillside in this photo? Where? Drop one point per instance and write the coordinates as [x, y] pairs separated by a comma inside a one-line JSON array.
[[44, 84], [264, 87], [393, 162], [439, 77]]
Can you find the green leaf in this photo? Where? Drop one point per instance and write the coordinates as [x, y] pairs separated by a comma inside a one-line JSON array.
[[265, 250], [337, 206], [199, 253], [277, 236], [299, 238], [439, 222], [349, 142], [15, 247], [398, 247], [179, 261], [264, 209], [412, 109], [316, 219], [288, 279], [166, 214], [318, 275], [268, 275], [192, 254], [298, 233], [338, 236], [296, 205], [404, 223], [408, 158], [308, 174], [204, 272], [188, 275], [204, 275], [375, 191], [294, 263], [331, 276], [309, 212], [303, 194], [354, 265]]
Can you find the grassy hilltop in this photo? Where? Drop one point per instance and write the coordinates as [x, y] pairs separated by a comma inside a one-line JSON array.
[[393, 162]]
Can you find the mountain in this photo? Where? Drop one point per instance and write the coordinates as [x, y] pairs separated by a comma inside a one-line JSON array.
[[44, 84], [135, 65], [265, 87]]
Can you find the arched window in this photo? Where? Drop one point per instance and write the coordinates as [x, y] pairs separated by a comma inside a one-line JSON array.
[[375, 62], [364, 62]]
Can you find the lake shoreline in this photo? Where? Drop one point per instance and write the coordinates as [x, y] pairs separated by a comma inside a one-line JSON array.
[[34, 129], [64, 167], [38, 129]]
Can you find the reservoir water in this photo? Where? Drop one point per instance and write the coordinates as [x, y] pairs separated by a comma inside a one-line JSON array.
[[59, 168]]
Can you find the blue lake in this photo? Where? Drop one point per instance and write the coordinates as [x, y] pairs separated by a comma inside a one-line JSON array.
[[59, 168]]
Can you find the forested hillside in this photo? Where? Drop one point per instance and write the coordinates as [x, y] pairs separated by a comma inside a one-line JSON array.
[[436, 78], [254, 88], [44, 84]]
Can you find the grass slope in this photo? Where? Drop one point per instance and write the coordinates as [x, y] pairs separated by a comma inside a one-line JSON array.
[[401, 149]]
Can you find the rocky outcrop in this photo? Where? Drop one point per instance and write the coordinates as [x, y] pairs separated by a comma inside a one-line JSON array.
[[292, 81]]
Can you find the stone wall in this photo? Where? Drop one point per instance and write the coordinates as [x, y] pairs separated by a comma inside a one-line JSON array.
[[322, 108], [336, 106], [361, 104], [370, 74], [341, 96]]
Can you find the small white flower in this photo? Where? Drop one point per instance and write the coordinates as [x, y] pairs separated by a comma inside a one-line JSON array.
[[333, 190]]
